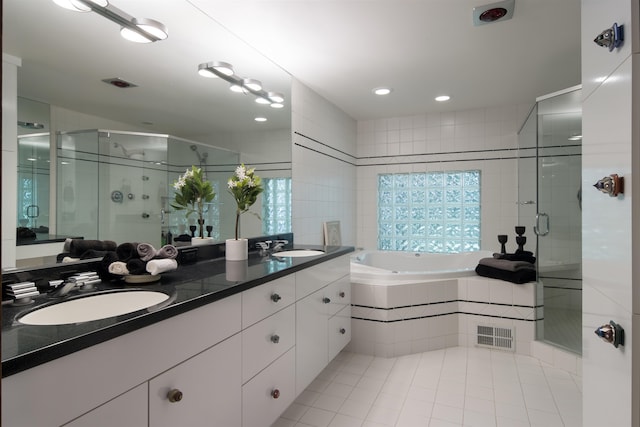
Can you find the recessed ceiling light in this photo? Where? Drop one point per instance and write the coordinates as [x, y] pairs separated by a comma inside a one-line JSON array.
[[260, 119], [264, 101], [443, 98], [276, 105], [382, 91]]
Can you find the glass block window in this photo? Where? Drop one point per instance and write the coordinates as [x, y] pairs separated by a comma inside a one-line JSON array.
[[276, 205], [429, 212]]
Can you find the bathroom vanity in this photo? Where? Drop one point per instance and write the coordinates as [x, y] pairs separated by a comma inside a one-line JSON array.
[[227, 350]]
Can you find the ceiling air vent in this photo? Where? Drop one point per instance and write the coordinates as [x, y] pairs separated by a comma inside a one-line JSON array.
[[117, 82], [493, 12]]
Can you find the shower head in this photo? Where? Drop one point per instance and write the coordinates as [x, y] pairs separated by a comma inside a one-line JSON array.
[[202, 158]]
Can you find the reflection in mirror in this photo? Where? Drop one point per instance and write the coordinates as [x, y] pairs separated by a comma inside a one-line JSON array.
[[33, 168], [169, 98], [131, 193]]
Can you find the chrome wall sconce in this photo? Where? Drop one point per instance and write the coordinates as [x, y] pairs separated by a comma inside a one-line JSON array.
[[139, 30], [224, 70]]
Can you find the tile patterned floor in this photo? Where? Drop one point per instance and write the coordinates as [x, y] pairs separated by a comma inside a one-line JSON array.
[[453, 387]]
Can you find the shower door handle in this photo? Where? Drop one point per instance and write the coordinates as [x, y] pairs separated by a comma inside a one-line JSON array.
[[536, 228]]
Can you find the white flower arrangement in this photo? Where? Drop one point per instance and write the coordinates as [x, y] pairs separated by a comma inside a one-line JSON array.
[[245, 186]]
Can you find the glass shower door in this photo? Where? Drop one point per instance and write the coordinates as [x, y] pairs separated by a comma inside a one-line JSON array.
[[558, 218]]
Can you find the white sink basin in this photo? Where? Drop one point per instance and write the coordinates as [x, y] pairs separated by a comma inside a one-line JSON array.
[[299, 253], [93, 307]]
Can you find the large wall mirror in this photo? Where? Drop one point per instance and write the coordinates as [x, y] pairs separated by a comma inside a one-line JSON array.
[[174, 116]]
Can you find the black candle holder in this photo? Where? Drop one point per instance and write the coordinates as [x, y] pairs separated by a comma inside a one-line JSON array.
[[520, 229], [193, 228], [209, 230], [502, 238]]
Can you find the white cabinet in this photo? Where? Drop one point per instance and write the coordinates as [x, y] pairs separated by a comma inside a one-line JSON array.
[[129, 409], [339, 331], [268, 298], [269, 393], [311, 338], [203, 390], [267, 340], [320, 317]]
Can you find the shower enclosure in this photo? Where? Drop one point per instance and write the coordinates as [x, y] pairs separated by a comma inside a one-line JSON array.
[[549, 206], [33, 181], [114, 185]]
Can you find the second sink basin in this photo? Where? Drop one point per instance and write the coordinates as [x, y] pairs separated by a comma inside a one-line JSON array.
[[298, 253], [93, 307]]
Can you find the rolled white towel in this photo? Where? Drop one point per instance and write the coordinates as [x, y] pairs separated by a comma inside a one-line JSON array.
[[70, 259], [67, 245], [146, 251], [119, 268], [157, 266]]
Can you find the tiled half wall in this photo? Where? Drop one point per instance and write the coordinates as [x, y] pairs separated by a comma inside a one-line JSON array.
[[390, 321]]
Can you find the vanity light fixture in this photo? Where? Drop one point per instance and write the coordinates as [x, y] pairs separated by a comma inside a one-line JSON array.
[[442, 98], [225, 71], [139, 30]]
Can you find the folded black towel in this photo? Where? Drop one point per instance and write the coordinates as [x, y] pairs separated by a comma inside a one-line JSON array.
[[519, 276], [79, 246], [504, 264], [127, 251], [92, 253], [182, 238], [137, 266], [521, 256]]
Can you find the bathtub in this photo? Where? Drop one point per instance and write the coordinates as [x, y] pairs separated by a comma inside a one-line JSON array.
[[394, 268], [404, 303]]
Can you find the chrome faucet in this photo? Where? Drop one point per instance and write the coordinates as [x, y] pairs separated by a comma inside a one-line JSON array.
[[270, 246], [278, 245], [264, 247]]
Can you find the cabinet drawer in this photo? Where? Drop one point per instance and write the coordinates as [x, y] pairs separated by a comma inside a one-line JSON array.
[[313, 278], [261, 406], [339, 331], [210, 389], [339, 294], [264, 300], [267, 340]]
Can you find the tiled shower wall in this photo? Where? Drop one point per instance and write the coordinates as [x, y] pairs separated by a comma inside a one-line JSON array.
[[483, 138]]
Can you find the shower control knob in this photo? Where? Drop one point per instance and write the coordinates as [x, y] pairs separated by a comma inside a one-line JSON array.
[[145, 215], [275, 297], [611, 333], [343, 331], [275, 393], [341, 294], [611, 185], [326, 300], [611, 38], [275, 339]]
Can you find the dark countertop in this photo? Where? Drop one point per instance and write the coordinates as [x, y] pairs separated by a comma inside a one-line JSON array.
[[189, 287]]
